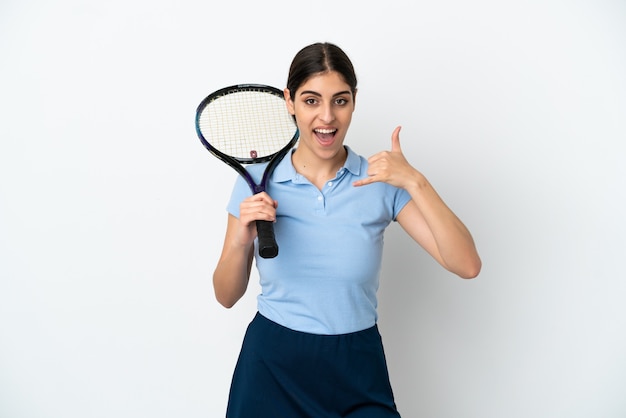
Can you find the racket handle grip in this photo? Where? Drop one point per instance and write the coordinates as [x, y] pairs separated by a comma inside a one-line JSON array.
[[267, 242]]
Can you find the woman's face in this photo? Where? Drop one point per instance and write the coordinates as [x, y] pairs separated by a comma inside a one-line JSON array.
[[323, 108]]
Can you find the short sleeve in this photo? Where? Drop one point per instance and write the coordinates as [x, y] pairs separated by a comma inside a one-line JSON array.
[[402, 197], [241, 190]]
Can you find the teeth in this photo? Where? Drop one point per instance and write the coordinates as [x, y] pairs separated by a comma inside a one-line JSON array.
[[325, 131]]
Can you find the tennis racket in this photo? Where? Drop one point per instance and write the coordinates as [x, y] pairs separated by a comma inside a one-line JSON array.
[[248, 124]]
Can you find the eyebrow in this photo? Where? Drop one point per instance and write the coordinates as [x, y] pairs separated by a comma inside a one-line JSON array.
[[341, 93]]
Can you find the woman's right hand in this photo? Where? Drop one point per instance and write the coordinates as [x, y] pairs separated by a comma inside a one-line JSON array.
[[259, 207]]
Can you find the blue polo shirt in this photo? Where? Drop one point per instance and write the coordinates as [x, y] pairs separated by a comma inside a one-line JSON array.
[[326, 275]]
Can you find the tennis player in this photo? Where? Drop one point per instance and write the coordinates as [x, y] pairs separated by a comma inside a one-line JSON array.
[[313, 349]]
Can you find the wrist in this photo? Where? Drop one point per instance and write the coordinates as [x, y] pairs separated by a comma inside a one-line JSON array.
[[416, 182]]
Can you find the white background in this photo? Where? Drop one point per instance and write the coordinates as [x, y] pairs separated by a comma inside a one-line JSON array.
[[112, 213]]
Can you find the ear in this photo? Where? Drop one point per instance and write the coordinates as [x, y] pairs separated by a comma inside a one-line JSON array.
[[290, 106]]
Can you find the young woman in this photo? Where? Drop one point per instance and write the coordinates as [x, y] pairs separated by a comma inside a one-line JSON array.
[[313, 349]]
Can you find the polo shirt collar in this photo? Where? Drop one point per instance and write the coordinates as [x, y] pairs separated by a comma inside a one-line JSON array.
[[285, 171]]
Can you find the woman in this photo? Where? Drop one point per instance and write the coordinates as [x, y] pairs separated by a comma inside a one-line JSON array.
[[313, 349]]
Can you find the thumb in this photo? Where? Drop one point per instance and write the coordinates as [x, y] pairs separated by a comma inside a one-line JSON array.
[[395, 140]]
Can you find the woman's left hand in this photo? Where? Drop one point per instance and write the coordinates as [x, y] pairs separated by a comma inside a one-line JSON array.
[[389, 166]]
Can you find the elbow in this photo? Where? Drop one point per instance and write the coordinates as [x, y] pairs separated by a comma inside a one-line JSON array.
[[226, 301], [227, 297], [226, 291], [471, 270], [468, 268], [469, 274]]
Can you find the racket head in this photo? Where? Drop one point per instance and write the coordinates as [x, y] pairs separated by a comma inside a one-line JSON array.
[[246, 124]]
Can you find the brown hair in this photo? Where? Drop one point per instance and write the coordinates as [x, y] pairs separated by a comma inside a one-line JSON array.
[[316, 59]]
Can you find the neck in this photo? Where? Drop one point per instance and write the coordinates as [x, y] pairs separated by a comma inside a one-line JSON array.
[[317, 170]]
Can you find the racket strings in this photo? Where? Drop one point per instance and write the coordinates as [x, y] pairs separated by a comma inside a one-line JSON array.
[[247, 124]]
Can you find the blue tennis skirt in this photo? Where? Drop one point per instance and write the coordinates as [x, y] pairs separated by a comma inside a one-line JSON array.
[[282, 373]]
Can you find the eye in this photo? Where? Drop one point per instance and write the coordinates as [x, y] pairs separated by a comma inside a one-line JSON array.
[[341, 101], [310, 101]]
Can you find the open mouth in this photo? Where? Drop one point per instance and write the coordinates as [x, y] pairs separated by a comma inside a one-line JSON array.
[[325, 136]]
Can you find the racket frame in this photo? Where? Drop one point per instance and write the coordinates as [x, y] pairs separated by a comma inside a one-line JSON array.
[[265, 229]]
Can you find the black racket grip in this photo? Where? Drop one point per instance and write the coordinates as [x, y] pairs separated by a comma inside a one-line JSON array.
[[267, 242]]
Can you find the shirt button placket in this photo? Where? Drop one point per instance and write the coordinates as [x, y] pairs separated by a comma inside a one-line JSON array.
[[320, 203]]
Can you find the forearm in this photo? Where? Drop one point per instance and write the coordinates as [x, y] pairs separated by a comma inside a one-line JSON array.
[[454, 245]]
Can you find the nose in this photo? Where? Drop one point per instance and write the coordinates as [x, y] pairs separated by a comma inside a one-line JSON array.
[[327, 114]]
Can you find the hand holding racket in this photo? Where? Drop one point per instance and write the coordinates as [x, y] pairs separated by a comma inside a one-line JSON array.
[[248, 124]]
